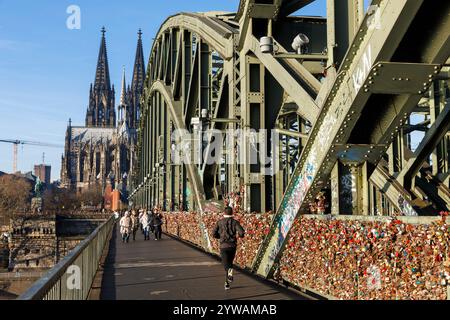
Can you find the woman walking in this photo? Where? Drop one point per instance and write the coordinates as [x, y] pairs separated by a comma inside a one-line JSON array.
[[125, 227], [134, 224], [145, 222]]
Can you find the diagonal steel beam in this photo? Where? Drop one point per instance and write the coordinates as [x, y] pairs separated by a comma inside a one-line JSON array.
[[340, 114], [432, 138], [290, 6], [307, 106]]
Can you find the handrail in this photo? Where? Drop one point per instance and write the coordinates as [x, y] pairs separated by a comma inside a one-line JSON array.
[[65, 283]]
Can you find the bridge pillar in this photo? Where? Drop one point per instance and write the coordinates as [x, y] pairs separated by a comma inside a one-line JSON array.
[[350, 188], [439, 158], [344, 19], [254, 143]]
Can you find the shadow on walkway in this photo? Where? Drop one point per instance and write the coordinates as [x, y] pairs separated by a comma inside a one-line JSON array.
[[171, 270]]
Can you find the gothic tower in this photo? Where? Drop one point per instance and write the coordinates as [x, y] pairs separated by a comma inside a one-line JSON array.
[[137, 84], [101, 111]]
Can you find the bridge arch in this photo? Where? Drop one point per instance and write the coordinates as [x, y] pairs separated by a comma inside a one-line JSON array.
[[207, 71]]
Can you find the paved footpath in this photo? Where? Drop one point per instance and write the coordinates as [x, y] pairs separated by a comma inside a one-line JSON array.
[[171, 270]]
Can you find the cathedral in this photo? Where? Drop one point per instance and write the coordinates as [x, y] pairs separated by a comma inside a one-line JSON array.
[[102, 153]]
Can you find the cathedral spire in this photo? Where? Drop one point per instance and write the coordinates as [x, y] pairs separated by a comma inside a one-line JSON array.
[[101, 110], [139, 67], [124, 88], [102, 79]]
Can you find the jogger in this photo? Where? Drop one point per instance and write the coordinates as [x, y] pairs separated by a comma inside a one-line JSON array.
[[226, 231]]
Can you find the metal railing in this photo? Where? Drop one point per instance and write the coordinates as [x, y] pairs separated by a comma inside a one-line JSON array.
[[72, 277]]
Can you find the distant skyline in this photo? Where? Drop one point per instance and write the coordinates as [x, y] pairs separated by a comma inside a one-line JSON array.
[[46, 69]]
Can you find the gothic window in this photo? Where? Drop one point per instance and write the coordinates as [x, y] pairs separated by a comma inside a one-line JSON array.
[[82, 167], [97, 163]]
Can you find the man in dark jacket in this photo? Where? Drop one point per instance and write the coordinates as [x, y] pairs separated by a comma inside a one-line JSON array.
[[157, 224], [226, 230]]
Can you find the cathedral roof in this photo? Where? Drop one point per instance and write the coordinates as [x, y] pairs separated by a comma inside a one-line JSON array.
[[96, 135]]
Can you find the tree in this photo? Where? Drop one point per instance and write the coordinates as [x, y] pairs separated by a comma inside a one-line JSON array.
[[93, 196], [60, 199], [15, 195]]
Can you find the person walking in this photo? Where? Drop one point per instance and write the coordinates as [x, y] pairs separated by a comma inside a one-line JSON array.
[[151, 214], [125, 227], [157, 224], [145, 222], [134, 224], [226, 231], [140, 220]]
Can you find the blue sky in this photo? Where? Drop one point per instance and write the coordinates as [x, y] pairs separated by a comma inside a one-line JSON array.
[[46, 69]]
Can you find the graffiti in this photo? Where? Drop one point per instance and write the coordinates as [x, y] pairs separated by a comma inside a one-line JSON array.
[[273, 255], [405, 208], [361, 73], [334, 194], [325, 130], [348, 188]]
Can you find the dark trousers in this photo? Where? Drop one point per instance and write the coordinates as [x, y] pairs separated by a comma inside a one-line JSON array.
[[228, 255], [125, 237], [158, 232]]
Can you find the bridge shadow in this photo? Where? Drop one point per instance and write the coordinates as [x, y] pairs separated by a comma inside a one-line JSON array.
[[108, 288], [174, 270]]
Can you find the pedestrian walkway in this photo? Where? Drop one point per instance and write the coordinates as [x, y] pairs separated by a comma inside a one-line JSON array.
[[171, 270]]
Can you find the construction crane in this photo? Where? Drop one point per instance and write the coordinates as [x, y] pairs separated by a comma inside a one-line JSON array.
[[16, 143]]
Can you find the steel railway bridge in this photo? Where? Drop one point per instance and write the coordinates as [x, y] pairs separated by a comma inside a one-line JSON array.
[[347, 100], [347, 107]]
